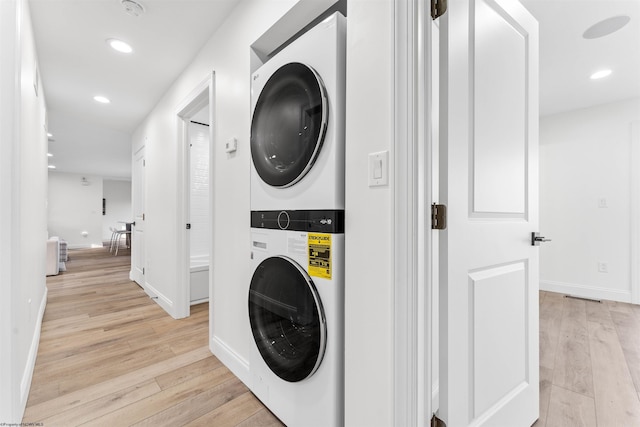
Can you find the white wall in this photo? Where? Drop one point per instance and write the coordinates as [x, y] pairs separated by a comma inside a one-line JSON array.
[[23, 186], [118, 201], [585, 161], [75, 208], [369, 287]]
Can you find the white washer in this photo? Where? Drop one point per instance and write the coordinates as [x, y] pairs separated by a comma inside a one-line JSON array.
[[296, 312], [297, 126]]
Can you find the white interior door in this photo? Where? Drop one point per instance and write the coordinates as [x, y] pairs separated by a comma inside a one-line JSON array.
[[137, 230], [489, 182]]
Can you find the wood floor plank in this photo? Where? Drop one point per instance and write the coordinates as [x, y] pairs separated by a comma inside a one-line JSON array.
[[598, 312], [572, 367], [262, 418], [128, 363], [628, 328], [164, 399], [541, 295], [67, 401], [550, 322], [546, 381], [617, 306], [615, 395], [52, 351], [231, 413], [187, 372], [198, 405], [570, 409], [107, 404]]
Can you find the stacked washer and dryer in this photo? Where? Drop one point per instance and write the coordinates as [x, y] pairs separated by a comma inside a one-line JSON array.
[[296, 294]]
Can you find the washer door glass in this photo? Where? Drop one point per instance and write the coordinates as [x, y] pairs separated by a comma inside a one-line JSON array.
[[289, 124], [287, 319]]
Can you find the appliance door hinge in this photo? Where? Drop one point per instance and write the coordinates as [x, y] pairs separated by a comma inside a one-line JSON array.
[[438, 8], [438, 217], [437, 422]]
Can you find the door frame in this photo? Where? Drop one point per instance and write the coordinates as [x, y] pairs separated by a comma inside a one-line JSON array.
[[412, 195], [202, 95], [635, 213]]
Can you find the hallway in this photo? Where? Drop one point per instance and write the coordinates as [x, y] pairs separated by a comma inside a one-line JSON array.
[[109, 355]]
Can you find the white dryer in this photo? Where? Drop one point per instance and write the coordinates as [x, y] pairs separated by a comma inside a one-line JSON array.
[[296, 312], [297, 126]]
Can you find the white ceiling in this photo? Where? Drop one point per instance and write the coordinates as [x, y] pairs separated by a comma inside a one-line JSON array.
[[76, 64], [567, 59]]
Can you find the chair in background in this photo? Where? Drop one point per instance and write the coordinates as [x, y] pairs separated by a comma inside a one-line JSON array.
[[116, 237], [127, 234]]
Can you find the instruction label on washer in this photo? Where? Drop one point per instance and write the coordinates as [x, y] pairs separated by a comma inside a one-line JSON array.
[[319, 255]]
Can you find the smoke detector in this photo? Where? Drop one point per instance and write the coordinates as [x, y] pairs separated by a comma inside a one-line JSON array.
[[132, 7]]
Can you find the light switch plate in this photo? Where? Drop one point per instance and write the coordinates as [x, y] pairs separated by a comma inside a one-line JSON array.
[[231, 145], [378, 169]]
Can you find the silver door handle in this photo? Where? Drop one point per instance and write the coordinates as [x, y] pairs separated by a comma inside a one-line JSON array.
[[536, 238]]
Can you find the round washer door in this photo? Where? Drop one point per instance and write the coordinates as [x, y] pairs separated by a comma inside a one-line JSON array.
[[289, 125], [287, 319]]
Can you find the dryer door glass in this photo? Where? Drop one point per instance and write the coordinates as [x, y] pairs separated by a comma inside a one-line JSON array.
[[289, 124], [287, 319]]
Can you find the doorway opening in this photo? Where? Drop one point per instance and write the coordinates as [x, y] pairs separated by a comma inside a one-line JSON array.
[[195, 213], [199, 225]]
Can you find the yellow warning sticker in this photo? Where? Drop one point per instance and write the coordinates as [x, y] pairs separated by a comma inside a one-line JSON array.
[[320, 255]]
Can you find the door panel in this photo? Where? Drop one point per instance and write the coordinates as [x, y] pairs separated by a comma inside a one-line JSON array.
[[137, 231], [505, 317], [488, 176], [499, 137]]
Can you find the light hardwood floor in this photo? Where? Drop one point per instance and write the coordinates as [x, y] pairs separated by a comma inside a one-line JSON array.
[[589, 363], [110, 356]]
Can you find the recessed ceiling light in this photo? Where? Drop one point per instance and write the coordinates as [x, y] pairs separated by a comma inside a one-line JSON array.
[[51, 167], [101, 99], [600, 74], [606, 27], [49, 155], [120, 46]]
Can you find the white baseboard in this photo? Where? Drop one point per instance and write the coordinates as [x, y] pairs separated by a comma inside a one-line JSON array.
[[585, 291], [27, 375], [80, 246], [160, 299], [231, 359]]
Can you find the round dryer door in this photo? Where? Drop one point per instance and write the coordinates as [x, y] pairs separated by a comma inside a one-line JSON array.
[[287, 319], [289, 125]]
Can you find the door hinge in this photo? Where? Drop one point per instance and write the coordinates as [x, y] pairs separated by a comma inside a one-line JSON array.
[[143, 271], [437, 422], [188, 226], [438, 217], [438, 8], [143, 217]]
